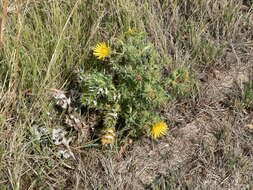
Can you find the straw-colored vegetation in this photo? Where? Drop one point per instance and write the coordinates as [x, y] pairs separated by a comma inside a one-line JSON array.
[[126, 94]]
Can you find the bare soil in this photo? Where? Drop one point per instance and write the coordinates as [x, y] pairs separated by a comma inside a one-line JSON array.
[[208, 145]]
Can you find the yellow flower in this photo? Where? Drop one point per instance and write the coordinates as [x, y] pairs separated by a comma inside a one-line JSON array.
[[131, 31], [102, 50], [158, 129], [108, 136]]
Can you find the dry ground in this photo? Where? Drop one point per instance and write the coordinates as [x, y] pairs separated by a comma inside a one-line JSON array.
[[208, 146]]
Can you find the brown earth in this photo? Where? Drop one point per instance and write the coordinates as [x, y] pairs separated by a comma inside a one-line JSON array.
[[207, 147]]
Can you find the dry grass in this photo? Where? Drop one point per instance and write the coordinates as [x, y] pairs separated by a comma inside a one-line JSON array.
[[208, 145]]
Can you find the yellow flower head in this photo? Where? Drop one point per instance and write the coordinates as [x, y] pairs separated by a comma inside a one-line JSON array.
[[108, 136], [158, 129], [101, 50], [131, 31]]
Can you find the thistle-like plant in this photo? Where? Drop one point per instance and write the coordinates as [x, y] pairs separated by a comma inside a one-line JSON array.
[[127, 91], [180, 82]]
